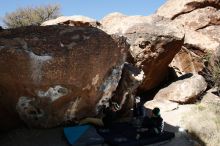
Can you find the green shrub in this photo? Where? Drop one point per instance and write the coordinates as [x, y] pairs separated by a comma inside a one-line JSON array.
[[31, 15]]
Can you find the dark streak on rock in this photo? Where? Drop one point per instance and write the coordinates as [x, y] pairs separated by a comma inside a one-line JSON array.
[[197, 5]]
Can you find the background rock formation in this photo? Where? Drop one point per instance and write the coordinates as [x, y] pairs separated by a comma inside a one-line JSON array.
[[183, 91], [53, 74], [201, 20], [76, 20], [154, 42]]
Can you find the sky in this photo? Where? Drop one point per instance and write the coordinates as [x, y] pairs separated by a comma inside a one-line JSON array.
[[95, 9]]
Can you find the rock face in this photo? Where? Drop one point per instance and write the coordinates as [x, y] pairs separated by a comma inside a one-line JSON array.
[[163, 104], [187, 61], [201, 33], [154, 42], [210, 97], [183, 91], [53, 74], [76, 20], [174, 8], [131, 79]]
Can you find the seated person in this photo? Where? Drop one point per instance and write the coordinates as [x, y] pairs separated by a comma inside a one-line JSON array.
[[151, 126], [110, 114]]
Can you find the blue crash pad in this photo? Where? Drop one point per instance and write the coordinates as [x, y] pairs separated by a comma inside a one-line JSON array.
[[83, 135], [74, 133]]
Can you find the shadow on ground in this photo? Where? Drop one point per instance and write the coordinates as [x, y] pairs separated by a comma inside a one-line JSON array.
[[34, 137], [55, 137]]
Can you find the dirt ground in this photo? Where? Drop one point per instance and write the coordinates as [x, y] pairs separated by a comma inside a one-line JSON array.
[[34, 137], [55, 137]]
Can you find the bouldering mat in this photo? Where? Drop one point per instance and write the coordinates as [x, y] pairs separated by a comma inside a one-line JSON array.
[[84, 135], [124, 134]]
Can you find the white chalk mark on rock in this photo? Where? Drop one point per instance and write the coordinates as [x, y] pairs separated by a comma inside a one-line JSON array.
[[27, 110], [109, 86], [71, 111], [54, 93], [37, 63], [95, 80]]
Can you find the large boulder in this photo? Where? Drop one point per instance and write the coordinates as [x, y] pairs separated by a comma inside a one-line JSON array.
[[197, 46], [54, 74], [76, 20], [186, 61], [202, 17], [154, 42], [211, 96], [213, 31], [118, 23], [174, 8], [163, 104], [185, 90], [201, 32]]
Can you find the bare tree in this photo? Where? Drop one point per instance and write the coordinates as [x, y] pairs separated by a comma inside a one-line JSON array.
[[31, 15]]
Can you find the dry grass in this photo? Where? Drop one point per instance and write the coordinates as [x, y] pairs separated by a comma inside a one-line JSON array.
[[203, 123]]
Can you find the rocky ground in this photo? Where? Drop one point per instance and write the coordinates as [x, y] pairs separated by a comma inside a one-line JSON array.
[[55, 136], [34, 137]]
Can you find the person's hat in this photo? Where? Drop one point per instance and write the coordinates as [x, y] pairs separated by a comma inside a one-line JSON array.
[[116, 106], [156, 111]]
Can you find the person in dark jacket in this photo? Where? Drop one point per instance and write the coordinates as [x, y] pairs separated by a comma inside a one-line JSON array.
[[110, 114], [151, 126]]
